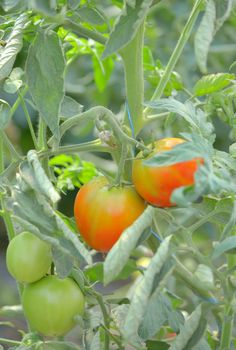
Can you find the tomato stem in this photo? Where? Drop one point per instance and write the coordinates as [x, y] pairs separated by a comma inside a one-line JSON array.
[[1, 156], [132, 56], [226, 335], [15, 155], [106, 318], [98, 112], [10, 341], [42, 139], [18, 101], [95, 146], [85, 32], [121, 165], [176, 53]]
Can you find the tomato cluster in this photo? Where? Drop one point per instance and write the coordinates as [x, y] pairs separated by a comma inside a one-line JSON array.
[[45, 306], [102, 212]]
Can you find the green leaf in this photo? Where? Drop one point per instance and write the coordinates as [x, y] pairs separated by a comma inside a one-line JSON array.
[[205, 274], [156, 344], [45, 222], [142, 293], [197, 335], [175, 319], [69, 108], [155, 316], [45, 75], [102, 71], [78, 276], [202, 345], [63, 262], [227, 245], [96, 342], [72, 171], [9, 4], [120, 252], [223, 11], [34, 174], [187, 330], [91, 15], [180, 153], [47, 7], [204, 35], [5, 114], [14, 44], [95, 272], [195, 117], [14, 82], [230, 224], [80, 251], [126, 26], [212, 83]]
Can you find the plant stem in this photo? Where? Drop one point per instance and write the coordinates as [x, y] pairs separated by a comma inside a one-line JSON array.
[[177, 52], [87, 33], [18, 101], [93, 114], [95, 145], [10, 171], [1, 156], [117, 341], [106, 318], [132, 56], [7, 220], [42, 140], [9, 341], [228, 314], [121, 164], [15, 155], [226, 335], [29, 121]]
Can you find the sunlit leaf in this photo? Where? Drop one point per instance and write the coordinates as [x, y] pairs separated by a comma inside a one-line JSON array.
[[212, 83]]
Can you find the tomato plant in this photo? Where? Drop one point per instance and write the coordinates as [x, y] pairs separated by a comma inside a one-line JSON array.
[[28, 257], [85, 89], [103, 212], [161, 181], [51, 305]]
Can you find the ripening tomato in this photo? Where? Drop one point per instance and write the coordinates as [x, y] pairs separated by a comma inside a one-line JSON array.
[[103, 212], [28, 257], [51, 304], [156, 184]]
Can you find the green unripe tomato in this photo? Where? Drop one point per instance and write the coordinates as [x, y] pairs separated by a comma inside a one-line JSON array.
[[28, 257], [51, 304]]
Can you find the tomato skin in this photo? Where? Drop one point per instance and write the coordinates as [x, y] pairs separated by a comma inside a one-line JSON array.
[[156, 184], [103, 212], [28, 258], [51, 304]]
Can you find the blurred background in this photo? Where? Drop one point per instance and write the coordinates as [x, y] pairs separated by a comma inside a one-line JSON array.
[[83, 84]]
